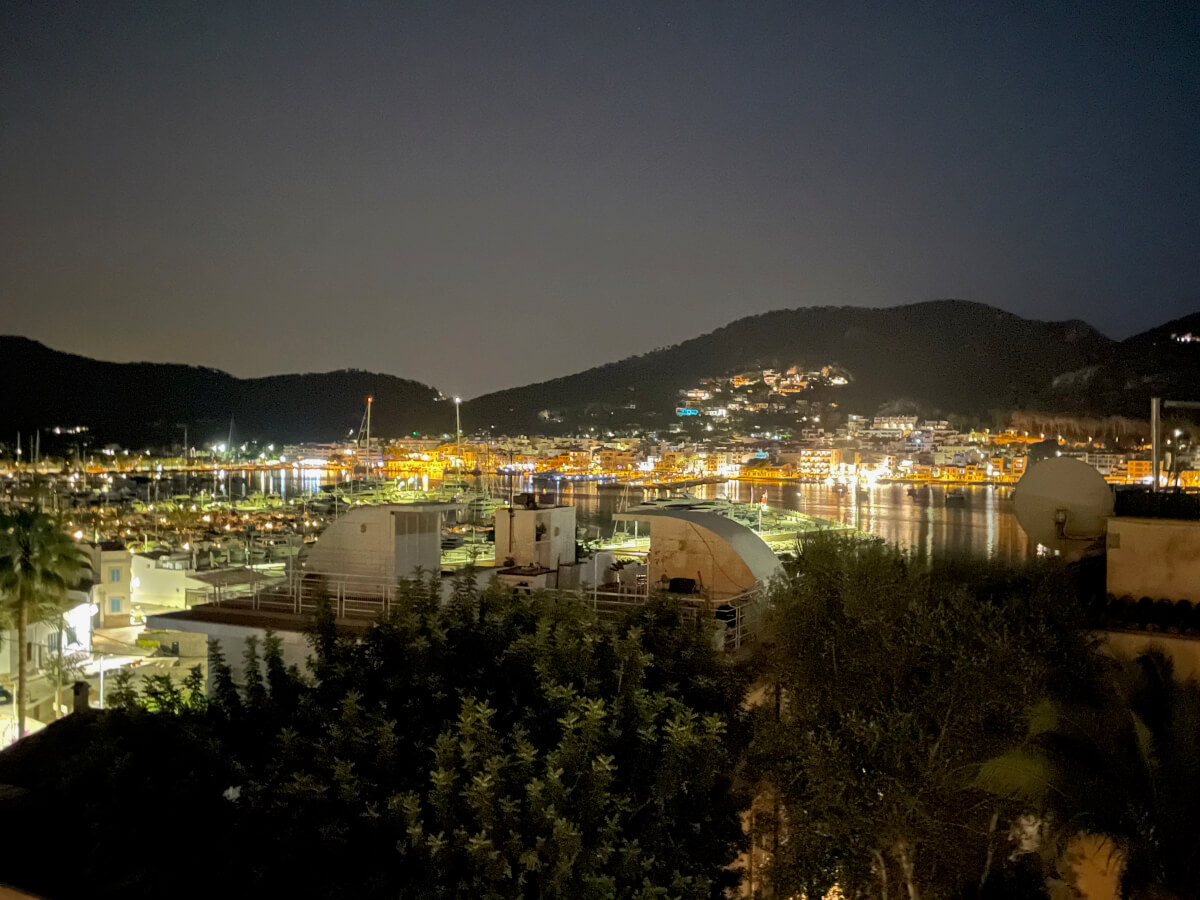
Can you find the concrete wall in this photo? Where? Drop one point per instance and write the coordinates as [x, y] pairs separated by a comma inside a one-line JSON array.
[[517, 536], [166, 588], [1157, 558], [417, 542], [1184, 652], [233, 643], [104, 564], [359, 543], [383, 542]]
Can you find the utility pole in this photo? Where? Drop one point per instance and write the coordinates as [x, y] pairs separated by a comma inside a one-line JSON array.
[[1155, 414], [370, 400], [458, 435], [1157, 404]]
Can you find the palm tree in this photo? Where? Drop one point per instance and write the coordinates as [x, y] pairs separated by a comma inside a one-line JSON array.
[[38, 564], [1124, 763], [185, 521]]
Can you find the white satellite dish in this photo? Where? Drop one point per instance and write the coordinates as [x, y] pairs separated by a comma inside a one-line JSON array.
[[1063, 504]]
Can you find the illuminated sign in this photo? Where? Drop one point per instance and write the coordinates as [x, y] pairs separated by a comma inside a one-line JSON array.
[[686, 411]]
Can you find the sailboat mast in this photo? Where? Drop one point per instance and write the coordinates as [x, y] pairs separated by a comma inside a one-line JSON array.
[[370, 400]]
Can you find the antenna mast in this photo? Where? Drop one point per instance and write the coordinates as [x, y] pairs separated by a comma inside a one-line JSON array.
[[364, 432]]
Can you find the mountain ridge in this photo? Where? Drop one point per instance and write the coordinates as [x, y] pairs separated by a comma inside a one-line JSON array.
[[1010, 362], [139, 403], [940, 357]]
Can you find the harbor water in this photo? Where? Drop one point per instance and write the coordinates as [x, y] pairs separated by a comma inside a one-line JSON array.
[[980, 524]]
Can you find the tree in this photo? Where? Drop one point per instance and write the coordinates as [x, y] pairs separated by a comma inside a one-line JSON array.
[[185, 521], [494, 746], [891, 682], [505, 746], [38, 564], [1121, 761]]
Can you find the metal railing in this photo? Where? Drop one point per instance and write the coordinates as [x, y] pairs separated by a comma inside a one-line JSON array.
[[350, 596], [733, 616], [366, 598]]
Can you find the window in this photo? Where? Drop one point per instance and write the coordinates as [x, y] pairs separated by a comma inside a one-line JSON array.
[[53, 641], [114, 604], [114, 576]]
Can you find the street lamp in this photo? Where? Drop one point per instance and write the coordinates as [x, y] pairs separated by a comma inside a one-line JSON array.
[[458, 435]]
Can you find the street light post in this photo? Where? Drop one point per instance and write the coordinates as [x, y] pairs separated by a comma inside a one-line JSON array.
[[458, 435]]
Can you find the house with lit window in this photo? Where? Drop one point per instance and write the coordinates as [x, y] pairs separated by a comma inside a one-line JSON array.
[[110, 563]]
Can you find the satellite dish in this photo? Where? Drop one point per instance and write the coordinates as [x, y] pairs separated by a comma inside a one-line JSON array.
[[1063, 504]]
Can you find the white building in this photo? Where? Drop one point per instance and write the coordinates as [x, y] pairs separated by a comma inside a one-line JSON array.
[[164, 580], [356, 563], [710, 553], [109, 564], [896, 425], [384, 542], [536, 545]]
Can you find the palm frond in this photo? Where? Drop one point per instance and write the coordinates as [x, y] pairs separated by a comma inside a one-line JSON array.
[[1021, 773]]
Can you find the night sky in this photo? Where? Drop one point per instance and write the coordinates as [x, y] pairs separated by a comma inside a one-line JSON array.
[[482, 195]]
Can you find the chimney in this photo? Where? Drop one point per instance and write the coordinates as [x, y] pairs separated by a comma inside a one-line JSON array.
[[81, 697]]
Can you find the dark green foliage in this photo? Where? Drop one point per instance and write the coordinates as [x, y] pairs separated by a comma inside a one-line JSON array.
[[1122, 760], [891, 683], [497, 746], [124, 801], [508, 746]]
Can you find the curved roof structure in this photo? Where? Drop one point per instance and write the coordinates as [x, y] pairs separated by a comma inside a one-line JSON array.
[[720, 537]]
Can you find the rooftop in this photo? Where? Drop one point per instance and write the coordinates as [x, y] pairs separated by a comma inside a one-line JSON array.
[[1144, 503], [245, 618], [529, 571]]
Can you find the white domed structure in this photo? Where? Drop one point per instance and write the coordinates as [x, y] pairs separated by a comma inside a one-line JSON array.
[[1064, 505]]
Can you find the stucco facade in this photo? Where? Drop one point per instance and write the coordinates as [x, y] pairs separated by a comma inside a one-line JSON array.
[[1156, 558]]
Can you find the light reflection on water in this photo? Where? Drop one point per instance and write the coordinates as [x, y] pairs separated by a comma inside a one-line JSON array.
[[983, 526]]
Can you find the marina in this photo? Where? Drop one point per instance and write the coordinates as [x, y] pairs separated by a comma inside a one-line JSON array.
[[259, 516]]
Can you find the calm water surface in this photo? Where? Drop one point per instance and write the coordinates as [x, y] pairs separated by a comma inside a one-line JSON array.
[[983, 526]]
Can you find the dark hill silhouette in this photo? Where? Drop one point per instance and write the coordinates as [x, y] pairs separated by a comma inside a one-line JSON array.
[[1152, 363], [942, 357], [145, 403], [945, 356]]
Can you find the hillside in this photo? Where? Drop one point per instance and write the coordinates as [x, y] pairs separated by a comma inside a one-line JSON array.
[[945, 357], [148, 402], [938, 358]]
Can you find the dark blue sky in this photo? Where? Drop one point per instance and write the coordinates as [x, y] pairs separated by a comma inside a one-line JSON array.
[[482, 195]]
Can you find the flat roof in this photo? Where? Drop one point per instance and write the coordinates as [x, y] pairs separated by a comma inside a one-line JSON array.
[[229, 577], [524, 570], [212, 614]]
